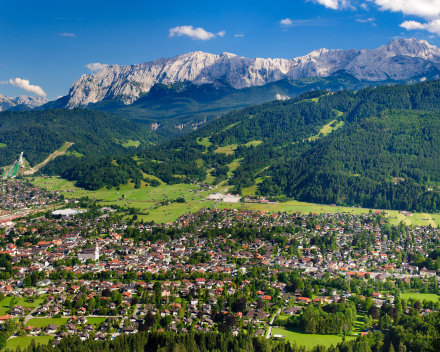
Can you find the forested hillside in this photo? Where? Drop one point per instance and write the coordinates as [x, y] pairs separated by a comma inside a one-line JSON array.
[[377, 147], [94, 134]]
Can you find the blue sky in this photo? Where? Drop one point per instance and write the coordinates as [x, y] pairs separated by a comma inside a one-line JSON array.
[[46, 45]]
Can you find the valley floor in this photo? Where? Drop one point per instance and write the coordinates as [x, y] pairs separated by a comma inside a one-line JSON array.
[[148, 199]]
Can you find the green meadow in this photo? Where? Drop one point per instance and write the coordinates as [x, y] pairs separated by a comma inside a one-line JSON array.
[[309, 340], [25, 341], [420, 296], [147, 198]]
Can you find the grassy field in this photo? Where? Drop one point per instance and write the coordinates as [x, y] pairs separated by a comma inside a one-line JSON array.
[[359, 323], [25, 341], [43, 322], [95, 321], [230, 149], [131, 143], [233, 166], [145, 198], [75, 153], [327, 129], [64, 147], [420, 296], [5, 304], [283, 316], [3, 145], [309, 340], [205, 141]]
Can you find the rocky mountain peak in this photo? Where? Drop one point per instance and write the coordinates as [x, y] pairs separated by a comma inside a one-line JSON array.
[[400, 59]]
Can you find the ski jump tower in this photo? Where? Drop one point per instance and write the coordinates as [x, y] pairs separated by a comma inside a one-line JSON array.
[[12, 172]]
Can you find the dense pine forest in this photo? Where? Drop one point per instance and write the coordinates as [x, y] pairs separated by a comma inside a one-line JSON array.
[[382, 151], [39, 133]]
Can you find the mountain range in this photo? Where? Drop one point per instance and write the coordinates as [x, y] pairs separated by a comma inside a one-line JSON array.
[[22, 102], [399, 60]]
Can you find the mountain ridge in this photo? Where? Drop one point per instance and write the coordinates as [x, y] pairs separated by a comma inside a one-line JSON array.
[[400, 59], [21, 102]]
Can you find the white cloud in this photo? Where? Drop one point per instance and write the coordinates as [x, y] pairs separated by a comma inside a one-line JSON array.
[[24, 84], [367, 20], [193, 33], [67, 34], [286, 22], [95, 67], [238, 35], [364, 7], [432, 26], [428, 9], [59, 96], [221, 33], [334, 4]]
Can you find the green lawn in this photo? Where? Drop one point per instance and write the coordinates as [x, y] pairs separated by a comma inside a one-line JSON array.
[[25, 341], [5, 304], [359, 323], [421, 296], [309, 340], [3, 145], [283, 316], [95, 321], [43, 322]]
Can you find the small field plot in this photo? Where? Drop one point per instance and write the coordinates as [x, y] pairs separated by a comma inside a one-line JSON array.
[[43, 322], [6, 303], [95, 321], [420, 296], [309, 340], [228, 150], [25, 341], [131, 143]]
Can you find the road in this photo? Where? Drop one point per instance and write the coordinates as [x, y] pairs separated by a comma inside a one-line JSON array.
[[270, 324]]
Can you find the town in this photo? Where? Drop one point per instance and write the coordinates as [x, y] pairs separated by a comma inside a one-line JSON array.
[[99, 272]]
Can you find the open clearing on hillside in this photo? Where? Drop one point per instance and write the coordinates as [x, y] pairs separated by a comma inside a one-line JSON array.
[[420, 296], [52, 156], [230, 149], [309, 340], [327, 129], [146, 198], [131, 143]]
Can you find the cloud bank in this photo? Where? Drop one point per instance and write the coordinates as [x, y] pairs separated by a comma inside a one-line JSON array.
[[24, 84], [429, 10]]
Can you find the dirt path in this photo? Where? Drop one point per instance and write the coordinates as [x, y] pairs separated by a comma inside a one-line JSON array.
[[52, 156]]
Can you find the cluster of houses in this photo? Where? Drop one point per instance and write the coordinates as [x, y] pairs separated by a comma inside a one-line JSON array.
[[80, 259]]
